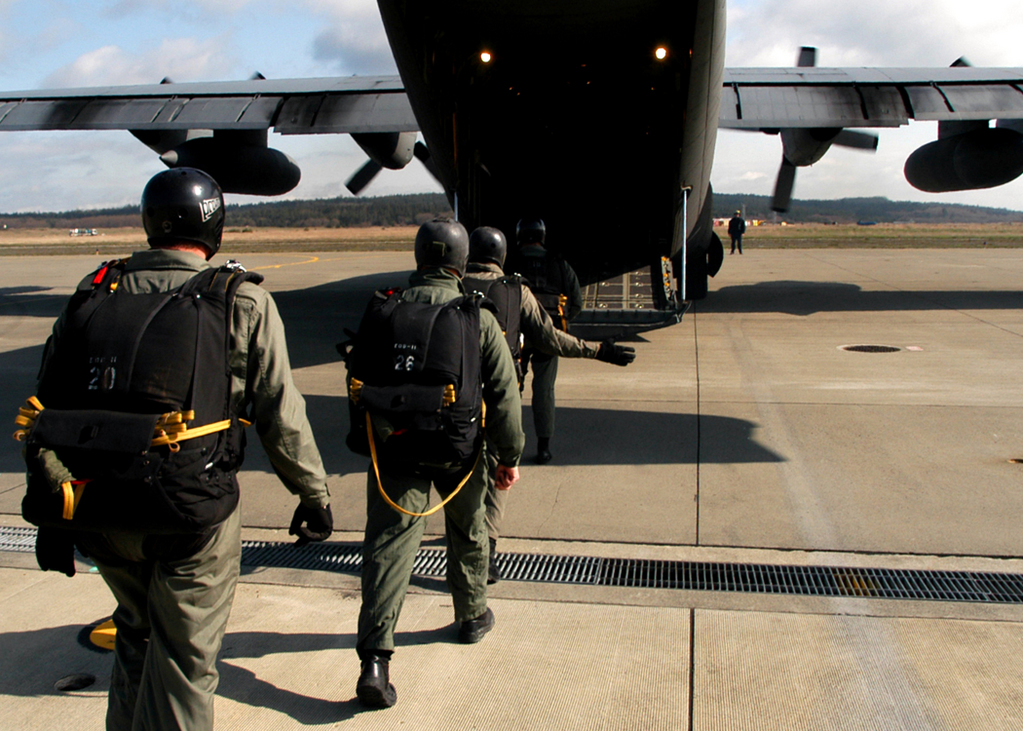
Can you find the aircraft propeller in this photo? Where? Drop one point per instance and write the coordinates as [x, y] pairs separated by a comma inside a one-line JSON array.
[[387, 150], [802, 147]]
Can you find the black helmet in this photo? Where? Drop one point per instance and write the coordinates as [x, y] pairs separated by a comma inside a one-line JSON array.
[[443, 243], [530, 231], [183, 204], [488, 244]]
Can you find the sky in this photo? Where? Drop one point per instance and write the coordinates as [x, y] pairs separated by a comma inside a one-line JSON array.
[[66, 43]]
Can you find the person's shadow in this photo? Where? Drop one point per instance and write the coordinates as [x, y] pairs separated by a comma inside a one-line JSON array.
[[38, 658], [244, 686]]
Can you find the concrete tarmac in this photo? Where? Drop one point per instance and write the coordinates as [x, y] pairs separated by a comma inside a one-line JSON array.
[[745, 434]]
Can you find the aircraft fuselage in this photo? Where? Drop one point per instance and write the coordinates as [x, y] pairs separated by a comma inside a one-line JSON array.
[[574, 118]]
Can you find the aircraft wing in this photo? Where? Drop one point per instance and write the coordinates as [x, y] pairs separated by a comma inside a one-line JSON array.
[[370, 104], [800, 97]]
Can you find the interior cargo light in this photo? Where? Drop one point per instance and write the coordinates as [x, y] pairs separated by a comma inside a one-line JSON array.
[[485, 57], [661, 53]]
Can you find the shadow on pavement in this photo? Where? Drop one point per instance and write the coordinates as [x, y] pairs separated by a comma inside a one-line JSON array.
[[807, 298]]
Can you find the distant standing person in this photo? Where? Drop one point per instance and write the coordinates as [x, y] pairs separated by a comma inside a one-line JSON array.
[[556, 287], [736, 228]]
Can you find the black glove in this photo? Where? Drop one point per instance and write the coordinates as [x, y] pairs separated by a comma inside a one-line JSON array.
[[620, 355], [319, 524], [55, 550]]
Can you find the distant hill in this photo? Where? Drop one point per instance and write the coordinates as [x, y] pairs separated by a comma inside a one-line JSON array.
[[853, 210], [391, 210], [410, 210]]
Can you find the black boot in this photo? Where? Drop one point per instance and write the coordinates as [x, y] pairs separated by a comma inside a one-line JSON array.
[[374, 688], [543, 450], [494, 572], [472, 631]]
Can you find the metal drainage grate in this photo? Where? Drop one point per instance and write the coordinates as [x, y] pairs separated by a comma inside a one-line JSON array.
[[16, 538], [870, 348], [823, 581]]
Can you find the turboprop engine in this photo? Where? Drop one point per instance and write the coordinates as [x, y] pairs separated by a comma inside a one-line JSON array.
[[391, 150], [250, 169], [980, 158]]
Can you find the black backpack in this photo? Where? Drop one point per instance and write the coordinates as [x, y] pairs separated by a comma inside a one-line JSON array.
[[545, 277], [414, 368], [506, 295], [123, 363]]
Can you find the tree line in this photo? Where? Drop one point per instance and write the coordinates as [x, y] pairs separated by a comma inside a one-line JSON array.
[[859, 210], [414, 209]]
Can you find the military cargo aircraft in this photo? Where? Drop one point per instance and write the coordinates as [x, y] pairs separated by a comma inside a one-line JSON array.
[[601, 118]]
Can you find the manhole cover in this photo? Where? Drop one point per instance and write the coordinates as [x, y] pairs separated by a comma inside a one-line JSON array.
[[870, 348], [79, 681]]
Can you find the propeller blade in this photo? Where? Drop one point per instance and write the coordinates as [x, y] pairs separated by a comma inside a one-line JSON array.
[[422, 152], [783, 186], [807, 57], [857, 140], [363, 176]]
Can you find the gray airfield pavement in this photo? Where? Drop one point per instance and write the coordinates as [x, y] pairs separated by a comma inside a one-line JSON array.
[[744, 434]]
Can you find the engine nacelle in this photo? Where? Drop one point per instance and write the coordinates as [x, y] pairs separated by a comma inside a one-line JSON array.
[[804, 147], [984, 158], [392, 150], [238, 168]]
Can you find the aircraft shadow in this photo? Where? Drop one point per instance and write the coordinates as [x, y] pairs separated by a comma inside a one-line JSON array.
[[315, 318], [605, 437], [807, 298], [584, 437], [30, 301]]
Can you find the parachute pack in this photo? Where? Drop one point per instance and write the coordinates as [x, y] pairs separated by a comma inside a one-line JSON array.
[[414, 370], [546, 278], [506, 295], [133, 427]]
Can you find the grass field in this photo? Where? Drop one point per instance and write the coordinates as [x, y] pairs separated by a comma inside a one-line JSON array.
[[237, 240], [882, 235]]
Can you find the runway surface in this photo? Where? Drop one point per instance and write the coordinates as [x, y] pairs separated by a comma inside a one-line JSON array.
[[745, 435]]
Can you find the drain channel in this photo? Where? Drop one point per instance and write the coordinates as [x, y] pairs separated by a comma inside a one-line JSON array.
[[824, 581]]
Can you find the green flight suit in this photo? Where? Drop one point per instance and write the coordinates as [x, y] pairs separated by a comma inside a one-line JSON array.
[[174, 593], [392, 538], [545, 364], [540, 334]]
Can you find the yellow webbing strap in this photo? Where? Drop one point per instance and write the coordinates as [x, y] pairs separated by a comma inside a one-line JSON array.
[[170, 428], [26, 418], [562, 304], [380, 485], [72, 496], [171, 434]]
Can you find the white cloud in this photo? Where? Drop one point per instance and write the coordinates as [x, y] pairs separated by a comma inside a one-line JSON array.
[[353, 38], [71, 170], [876, 32], [192, 8], [182, 59]]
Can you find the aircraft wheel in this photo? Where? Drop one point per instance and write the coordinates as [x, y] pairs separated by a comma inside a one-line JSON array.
[[715, 255], [696, 275]]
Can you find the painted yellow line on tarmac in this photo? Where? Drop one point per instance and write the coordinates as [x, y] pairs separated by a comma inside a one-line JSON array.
[[311, 260]]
